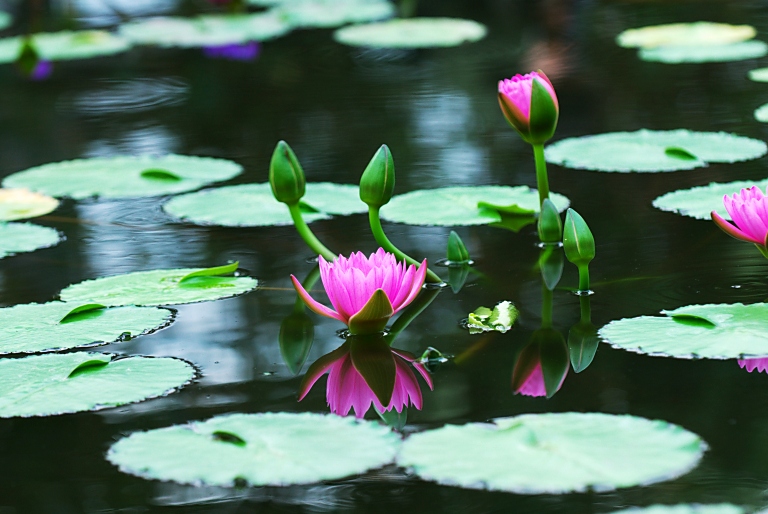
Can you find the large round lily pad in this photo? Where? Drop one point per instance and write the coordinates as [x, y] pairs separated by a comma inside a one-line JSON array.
[[26, 237], [57, 46], [45, 385], [333, 13], [5, 20], [252, 205], [58, 325], [157, 287], [124, 176], [18, 204], [698, 202], [653, 150], [257, 449], [723, 331], [719, 508], [553, 453], [412, 33], [704, 53], [702, 33], [465, 205]]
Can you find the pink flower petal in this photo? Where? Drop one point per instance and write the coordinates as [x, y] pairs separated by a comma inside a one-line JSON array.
[[313, 304]]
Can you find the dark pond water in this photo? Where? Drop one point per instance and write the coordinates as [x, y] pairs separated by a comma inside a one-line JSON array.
[[437, 111]]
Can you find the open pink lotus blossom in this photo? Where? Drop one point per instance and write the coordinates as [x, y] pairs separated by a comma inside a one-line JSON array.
[[533, 116], [365, 292], [749, 211], [759, 364]]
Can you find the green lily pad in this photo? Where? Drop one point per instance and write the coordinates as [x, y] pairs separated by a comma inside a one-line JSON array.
[[74, 382], [761, 113], [465, 205], [55, 326], [26, 237], [157, 287], [705, 53], [500, 319], [698, 202], [5, 20], [649, 151], [412, 33], [720, 508], [124, 176], [333, 13], [59, 46], [553, 453], [257, 449], [18, 204], [206, 30], [759, 75], [723, 331], [253, 205], [702, 33]]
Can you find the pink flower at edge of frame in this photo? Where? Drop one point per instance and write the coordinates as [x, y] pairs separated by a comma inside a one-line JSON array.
[[759, 364], [749, 211]]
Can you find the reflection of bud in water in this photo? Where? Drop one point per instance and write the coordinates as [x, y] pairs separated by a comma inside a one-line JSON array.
[[541, 366], [296, 335], [751, 365]]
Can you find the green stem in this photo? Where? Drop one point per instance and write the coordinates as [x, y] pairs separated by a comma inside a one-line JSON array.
[[307, 235], [411, 312], [584, 277], [542, 181], [586, 310], [384, 242], [546, 307]]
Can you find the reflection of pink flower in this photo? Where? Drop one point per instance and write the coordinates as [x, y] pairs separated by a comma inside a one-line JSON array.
[[533, 385], [760, 364], [749, 211], [365, 292], [536, 123], [234, 52]]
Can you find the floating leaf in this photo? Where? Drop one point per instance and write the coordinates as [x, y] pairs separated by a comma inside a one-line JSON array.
[[226, 269], [57, 46], [553, 453], [699, 202], [74, 382], [277, 449], [252, 205], [123, 177], [724, 331], [452, 206], [680, 153], [719, 508], [646, 150], [81, 312], [162, 175], [500, 319], [761, 113], [705, 53], [26, 237], [759, 75], [702, 33], [332, 13], [156, 287], [5, 20], [18, 204], [412, 33]]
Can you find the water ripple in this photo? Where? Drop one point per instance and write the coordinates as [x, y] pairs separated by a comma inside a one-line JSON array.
[[126, 96]]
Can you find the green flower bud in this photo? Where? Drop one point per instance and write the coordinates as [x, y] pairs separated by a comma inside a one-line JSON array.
[[285, 175], [296, 335], [549, 224], [457, 253], [378, 181], [578, 242]]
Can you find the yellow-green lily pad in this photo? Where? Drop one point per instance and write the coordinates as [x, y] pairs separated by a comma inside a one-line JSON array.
[[412, 33], [18, 204]]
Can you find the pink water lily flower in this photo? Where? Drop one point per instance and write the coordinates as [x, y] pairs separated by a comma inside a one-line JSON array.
[[365, 292], [759, 364], [529, 104], [749, 211]]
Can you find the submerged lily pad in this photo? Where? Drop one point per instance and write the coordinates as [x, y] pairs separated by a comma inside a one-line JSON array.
[[332, 13], [18, 204], [157, 287], [58, 46], [253, 205], [257, 449], [54, 326], [124, 176], [702, 33], [465, 205], [206, 30], [722, 331], [553, 453], [698, 202], [5, 20], [26, 237], [74, 382], [653, 150], [704, 53], [719, 508], [412, 33]]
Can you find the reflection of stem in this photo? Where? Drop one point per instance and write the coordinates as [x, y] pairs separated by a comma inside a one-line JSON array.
[[546, 307], [411, 312], [307, 235], [586, 310], [542, 181], [584, 277], [308, 283], [381, 238]]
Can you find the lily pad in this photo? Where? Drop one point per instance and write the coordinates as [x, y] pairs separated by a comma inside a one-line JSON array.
[[26, 237], [333, 13], [465, 205], [74, 382], [274, 449], [59, 46], [206, 30], [157, 287], [500, 319], [723, 331], [412, 33], [719, 508], [124, 176], [759, 75], [5, 20], [649, 151], [553, 453], [702, 33], [704, 53], [253, 205], [761, 113], [698, 202], [55, 326], [18, 204]]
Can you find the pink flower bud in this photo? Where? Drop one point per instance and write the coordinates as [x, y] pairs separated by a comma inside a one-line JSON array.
[[529, 104]]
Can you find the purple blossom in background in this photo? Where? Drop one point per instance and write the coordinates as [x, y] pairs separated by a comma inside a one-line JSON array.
[[234, 51], [41, 71]]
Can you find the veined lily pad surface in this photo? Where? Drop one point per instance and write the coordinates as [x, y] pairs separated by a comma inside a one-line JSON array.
[[705, 53], [553, 453], [5, 20], [700, 33], [719, 508], [412, 33], [252, 205], [722, 331], [74, 382], [19, 204], [58, 46], [26, 237], [124, 176], [699, 202], [465, 205], [258, 449], [649, 151], [51, 326], [157, 287], [332, 13]]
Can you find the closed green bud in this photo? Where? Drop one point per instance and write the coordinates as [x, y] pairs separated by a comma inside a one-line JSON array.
[[457, 252], [549, 224], [285, 175], [578, 243], [378, 181]]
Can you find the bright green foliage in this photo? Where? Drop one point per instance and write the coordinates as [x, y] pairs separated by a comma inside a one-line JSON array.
[[717, 508], [412, 33], [699, 202], [26, 237], [286, 177], [500, 319], [578, 242], [456, 251], [331, 13], [549, 225], [377, 184], [705, 53], [696, 34], [59, 46]]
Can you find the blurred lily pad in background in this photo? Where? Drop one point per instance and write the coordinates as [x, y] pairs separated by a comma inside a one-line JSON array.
[[698, 202], [17, 204], [330, 13], [26, 237], [719, 508], [57, 46], [5, 20], [412, 33]]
